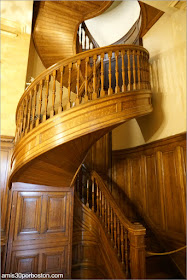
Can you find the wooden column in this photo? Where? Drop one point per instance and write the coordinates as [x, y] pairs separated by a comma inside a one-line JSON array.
[[137, 252]]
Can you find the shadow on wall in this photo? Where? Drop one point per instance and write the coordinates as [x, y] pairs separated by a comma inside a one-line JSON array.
[[151, 123]]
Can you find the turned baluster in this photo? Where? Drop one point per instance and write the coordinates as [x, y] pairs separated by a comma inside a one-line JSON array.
[[138, 69], [117, 89], [108, 216], [78, 82], [52, 112], [142, 70], [94, 94], [80, 184], [34, 107], [25, 115], [102, 93], [60, 109], [87, 194], [97, 195], [21, 119], [147, 69], [17, 126], [124, 88], [93, 196], [100, 204], [86, 80], [69, 85], [115, 231], [103, 208], [118, 237], [111, 225], [126, 253], [134, 70], [29, 112], [39, 103], [122, 244], [46, 99], [110, 90], [105, 213], [129, 70]]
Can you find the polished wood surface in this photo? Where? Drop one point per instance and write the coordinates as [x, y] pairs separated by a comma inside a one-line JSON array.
[[51, 144], [56, 24], [40, 236], [126, 238], [152, 177], [7, 144]]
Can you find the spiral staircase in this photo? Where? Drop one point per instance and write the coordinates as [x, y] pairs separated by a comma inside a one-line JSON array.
[[75, 102]]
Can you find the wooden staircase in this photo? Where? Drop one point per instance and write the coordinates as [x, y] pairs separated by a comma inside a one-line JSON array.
[[64, 111]]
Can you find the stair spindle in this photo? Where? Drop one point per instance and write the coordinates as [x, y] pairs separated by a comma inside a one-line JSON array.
[[97, 195], [87, 194], [111, 225], [118, 237], [139, 70], [29, 112], [102, 92], [117, 89], [94, 94], [25, 115], [134, 70], [115, 231], [34, 107], [110, 90], [108, 216], [52, 113], [39, 103], [123, 71], [46, 98], [77, 101], [69, 86], [93, 196], [86, 80], [105, 213], [126, 253], [60, 108], [122, 244], [21, 119], [103, 207], [129, 70], [100, 204]]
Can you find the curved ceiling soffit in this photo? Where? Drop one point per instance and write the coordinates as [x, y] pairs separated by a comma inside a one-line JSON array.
[[55, 25]]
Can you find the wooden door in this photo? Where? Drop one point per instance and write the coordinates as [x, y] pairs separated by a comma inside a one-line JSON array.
[[40, 230]]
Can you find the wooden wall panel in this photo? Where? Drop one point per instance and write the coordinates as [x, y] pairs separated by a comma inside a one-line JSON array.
[[40, 236], [153, 177], [6, 147]]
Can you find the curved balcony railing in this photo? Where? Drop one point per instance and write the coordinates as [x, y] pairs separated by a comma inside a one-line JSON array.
[[79, 79]]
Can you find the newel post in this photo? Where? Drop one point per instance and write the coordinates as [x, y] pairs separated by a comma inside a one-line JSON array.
[[137, 251]]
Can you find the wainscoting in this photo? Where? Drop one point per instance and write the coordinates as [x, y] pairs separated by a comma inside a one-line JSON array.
[[152, 177]]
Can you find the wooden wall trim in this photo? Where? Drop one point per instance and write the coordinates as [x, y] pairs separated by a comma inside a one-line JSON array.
[[155, 144]]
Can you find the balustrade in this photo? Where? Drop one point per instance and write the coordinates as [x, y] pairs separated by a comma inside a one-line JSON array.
[[77, 80], [126, 238]]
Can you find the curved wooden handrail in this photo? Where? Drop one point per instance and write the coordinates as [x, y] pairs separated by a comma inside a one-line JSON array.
[[127, 238], [40, 100]]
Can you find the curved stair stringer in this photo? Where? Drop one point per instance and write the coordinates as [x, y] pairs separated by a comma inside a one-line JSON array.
[[88, 234], [51, 153]]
